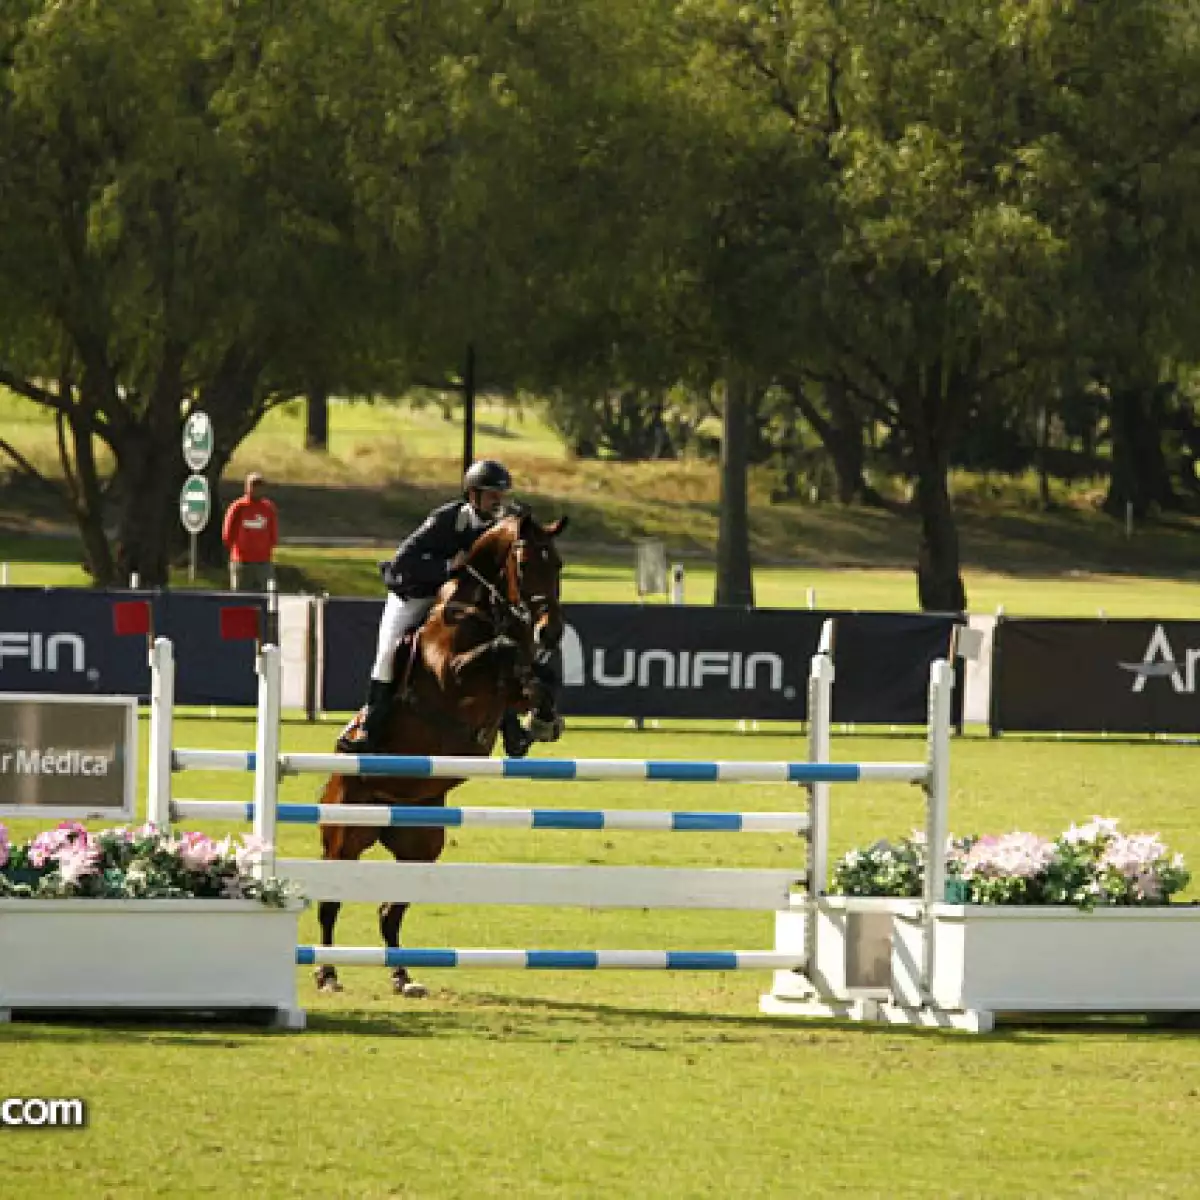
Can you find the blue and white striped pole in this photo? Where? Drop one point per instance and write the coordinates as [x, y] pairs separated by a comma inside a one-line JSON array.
[[375, 816], [550, 960], [410, 766]]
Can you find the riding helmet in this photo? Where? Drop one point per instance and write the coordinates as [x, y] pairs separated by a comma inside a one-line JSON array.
[[487, 474]]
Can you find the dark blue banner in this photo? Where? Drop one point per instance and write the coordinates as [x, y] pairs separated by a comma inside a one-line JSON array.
[[628, 660], [61, 640]]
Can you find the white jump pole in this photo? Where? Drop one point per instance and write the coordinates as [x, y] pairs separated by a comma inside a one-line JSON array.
[[820, 724], [937, 793], [162, 716], [266, 751]]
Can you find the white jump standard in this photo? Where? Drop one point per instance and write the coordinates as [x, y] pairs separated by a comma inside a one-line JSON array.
[[770, 890]]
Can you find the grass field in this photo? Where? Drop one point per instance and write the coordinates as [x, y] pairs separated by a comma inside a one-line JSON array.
[[636, 1084]]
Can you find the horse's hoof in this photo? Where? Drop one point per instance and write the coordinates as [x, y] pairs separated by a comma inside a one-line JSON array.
[[327, 981], [410, 989]]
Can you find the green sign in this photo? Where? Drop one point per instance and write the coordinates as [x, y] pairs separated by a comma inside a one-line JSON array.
[[197, 441], [195, 504]]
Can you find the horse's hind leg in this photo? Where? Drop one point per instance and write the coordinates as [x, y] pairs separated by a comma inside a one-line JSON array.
[[339, 843], [406, 845]]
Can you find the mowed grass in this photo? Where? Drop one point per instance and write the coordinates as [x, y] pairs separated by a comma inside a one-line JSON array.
[[636, 1084]]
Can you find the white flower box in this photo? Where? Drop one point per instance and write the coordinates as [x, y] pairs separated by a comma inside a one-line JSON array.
[[194, 955], [990, 959]]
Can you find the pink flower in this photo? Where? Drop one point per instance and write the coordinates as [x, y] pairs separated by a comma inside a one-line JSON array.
[[4, 844], [49, 845], [1096, 829], [1022, 855], [76, 861], [196, 851], [250, 852]]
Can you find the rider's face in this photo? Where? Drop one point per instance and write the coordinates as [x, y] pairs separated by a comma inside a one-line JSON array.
[[488, 500]]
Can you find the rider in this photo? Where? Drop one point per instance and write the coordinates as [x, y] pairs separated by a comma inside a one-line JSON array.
[[425, 560]]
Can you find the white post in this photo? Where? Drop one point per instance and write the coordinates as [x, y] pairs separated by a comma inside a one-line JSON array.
[[677, 583], [820, 724], [162, 716], [937, 793], [812, 597], [266, 751], [3, 574]]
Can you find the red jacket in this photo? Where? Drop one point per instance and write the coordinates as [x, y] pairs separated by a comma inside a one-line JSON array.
[[251, 530]]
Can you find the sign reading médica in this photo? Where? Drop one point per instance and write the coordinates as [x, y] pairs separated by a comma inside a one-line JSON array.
[[68, 756]]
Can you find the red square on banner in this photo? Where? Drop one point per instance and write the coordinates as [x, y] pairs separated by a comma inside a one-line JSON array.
[[239, 624], [131, 616]]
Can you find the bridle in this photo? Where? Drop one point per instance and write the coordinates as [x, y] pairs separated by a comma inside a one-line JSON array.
[[515, 606]]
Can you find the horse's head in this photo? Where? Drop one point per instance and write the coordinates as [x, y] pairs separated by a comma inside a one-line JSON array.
[[535, 574], [518, 557]]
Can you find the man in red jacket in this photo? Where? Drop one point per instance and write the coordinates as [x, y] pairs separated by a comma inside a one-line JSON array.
[[250, 534]]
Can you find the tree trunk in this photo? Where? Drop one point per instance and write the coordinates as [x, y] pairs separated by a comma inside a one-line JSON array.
[[939, 579], [78, 459], [316, 410], [151, 475], [842, 435], [151, 468], [735, 580], [468, 393], [928, 408], [1139, 468], [1043, 448]]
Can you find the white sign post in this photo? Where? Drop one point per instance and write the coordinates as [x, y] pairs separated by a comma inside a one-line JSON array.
[[195, 506], [195, 501]]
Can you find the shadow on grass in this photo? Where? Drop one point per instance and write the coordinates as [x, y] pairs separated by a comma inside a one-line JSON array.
[[494, 1017]]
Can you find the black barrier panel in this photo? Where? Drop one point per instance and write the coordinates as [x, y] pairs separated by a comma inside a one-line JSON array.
[[61, 641], [1095, 676], [725, 663], [349, 630], [626, 660]]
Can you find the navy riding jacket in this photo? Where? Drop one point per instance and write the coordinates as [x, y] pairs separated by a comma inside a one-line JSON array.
[[421, 564]]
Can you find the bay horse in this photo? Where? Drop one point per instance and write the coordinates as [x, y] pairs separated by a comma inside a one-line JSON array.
[[472, 659]]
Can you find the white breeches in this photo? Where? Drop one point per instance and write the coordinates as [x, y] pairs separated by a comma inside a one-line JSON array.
[[399, 616]]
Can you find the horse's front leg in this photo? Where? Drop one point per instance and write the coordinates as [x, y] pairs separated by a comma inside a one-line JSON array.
[[406, 845], [497, 656]]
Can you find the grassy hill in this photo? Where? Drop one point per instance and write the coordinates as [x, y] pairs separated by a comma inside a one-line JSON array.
[[388, 464]]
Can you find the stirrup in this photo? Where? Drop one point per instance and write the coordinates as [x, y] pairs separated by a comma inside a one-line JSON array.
[[351, 739]]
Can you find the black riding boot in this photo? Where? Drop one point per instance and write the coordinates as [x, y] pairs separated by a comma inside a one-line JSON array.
[[379, 709], [516, 740]]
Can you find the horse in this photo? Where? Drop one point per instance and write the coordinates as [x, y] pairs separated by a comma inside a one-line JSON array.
[[472, 659]]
